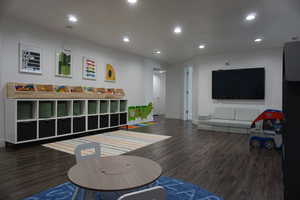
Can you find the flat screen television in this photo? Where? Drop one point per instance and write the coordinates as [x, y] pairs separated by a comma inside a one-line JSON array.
[[239, 84]]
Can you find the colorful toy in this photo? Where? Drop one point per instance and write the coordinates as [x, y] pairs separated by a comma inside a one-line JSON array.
[[139, 112], [61, 89], [266, 130], [28, 87], [101, 90], [90, 89], [45, 88], [77, 89], [146, 111], [47, 91]]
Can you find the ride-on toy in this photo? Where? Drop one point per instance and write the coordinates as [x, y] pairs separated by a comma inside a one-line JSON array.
[[266, 130]]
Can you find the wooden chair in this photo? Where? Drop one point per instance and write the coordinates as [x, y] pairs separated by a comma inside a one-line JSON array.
[[83, 152], [155, 193]]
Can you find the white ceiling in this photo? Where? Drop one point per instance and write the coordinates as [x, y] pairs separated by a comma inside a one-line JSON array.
[[149, 24]]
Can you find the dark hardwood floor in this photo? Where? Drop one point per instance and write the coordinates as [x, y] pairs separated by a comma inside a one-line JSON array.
[[218, 162]]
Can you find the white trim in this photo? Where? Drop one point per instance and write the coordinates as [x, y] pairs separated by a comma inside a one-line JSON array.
[[188, 93]]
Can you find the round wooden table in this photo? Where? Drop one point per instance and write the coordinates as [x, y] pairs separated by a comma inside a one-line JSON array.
[[114, 173]]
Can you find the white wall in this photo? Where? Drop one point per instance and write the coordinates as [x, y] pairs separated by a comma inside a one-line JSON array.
[[203, 104], [174, 92], [159, 92], [134, 73]]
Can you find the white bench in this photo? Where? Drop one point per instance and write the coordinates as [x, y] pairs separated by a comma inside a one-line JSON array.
[[233, 120]]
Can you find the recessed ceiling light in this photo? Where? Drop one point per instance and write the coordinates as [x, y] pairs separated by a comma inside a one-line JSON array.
[[177, 30], [251, 17], [201, 46], [156, 52], [258, 40], [126, 39], [132, 1], [72, 18]]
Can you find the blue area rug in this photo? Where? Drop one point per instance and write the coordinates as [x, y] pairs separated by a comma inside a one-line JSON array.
[[176, 190]]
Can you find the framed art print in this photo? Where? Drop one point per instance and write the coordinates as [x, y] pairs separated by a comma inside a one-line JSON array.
[[110, 73], [30, 59], [89, 69], [64, 63]]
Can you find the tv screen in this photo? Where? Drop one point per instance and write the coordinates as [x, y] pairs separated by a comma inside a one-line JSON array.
[[239, 84]]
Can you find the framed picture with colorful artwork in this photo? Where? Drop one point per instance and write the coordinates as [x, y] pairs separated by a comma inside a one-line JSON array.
[[64, 63], [110, 73], [89, 69], [30, 59]]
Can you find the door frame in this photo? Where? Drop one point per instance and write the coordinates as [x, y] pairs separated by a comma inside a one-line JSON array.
[[156, 104], [188, 93], [159, 101]]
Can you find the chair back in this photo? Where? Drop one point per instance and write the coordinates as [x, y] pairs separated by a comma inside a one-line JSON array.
[[87, 151], [155, 193]]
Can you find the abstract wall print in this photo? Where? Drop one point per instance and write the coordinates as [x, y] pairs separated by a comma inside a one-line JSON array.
[[64, 63], [110, 73], [30, 59], [89, 68]]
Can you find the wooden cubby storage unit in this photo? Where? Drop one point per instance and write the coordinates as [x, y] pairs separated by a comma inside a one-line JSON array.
[[29, 120]]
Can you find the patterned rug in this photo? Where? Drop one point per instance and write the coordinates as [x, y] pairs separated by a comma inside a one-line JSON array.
[[176, 190], [144, 124], [112, 143]]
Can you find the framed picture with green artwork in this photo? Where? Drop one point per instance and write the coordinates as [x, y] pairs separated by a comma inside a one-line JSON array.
[[64, 63]]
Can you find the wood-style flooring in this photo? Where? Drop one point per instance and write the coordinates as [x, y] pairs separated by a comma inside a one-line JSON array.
[[218, 162]]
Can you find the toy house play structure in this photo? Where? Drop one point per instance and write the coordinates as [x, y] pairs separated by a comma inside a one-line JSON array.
[[266, 130], [37, 112]]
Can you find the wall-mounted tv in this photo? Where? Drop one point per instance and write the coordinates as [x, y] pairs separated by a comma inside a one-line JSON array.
[[239, 84]]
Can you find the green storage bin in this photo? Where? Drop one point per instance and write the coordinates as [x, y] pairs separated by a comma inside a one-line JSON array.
[[103, 107], [25, 110], [77, 108], [123, 105], [62, 109], [46, 109], [92, 107], [114, 106]]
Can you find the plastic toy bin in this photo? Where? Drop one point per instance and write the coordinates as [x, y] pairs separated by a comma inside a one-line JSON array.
[[25, 110], [92, 107], [46, 109], [114, 106], [103, 107], [78, 108], [123, 105], [63, 108]]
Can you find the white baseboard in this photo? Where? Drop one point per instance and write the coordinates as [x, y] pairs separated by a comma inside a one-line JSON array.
[[2, 143]]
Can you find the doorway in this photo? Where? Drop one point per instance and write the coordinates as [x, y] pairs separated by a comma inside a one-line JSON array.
[[159, 92], [188, 96]]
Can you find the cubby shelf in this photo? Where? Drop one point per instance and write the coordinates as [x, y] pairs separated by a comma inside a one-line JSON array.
[[30, 120]]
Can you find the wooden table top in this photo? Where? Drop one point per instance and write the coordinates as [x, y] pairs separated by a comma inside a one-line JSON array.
[[114, 173]]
